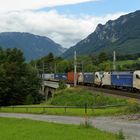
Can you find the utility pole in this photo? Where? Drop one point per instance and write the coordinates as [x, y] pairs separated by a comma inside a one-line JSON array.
[[37, 69], [43, 66], [114, 61], [55, 67], [82, 67], [75, 70]]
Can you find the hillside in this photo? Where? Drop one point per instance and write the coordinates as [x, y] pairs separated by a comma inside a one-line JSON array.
[[33, 46], [121, 35]]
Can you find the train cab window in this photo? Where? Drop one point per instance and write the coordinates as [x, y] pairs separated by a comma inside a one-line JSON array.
[[96, 76], [137, 76]]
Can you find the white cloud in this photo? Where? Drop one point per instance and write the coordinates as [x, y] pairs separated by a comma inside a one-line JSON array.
[[16, 5], [65, 30]]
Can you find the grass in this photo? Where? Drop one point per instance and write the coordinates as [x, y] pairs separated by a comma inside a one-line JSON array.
[[75, 97], [21, 129], [81, 96]]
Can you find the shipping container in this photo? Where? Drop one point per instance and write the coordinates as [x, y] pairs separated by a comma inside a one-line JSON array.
[[88, 78], [71, 77], [106, 79], [48, 76], [60, 76], [122, 79]]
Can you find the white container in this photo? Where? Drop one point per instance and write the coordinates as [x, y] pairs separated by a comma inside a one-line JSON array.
[[48, 76]]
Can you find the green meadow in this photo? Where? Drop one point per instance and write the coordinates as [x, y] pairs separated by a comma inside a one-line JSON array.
[[22, 129]]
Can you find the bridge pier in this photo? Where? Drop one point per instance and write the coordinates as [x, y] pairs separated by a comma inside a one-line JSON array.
[[48, 92], [48, 88]]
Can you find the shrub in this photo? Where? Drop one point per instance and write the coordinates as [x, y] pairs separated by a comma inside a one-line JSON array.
[[29, 100], [80, 97], [121, 135], [62, 85], [133, 108]]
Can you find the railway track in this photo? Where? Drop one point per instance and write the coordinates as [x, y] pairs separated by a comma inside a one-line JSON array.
[[110, 91], [115, 92]]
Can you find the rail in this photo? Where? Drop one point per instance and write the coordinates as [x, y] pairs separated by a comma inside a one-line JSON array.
[[115, 92]]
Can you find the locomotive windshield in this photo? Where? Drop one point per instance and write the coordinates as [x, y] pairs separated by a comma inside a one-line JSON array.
[[96, 76], [137, 76]]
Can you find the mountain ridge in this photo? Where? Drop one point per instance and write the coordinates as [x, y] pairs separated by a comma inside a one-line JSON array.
[[33, 46], [121, 35]]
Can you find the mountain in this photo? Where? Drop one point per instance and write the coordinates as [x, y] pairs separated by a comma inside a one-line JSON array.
[[33, 46], [121, 35]]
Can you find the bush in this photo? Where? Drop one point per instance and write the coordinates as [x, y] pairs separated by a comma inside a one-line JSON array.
[[62, 85], [133, 108], [80, 97], [121, 135], [29, 100]]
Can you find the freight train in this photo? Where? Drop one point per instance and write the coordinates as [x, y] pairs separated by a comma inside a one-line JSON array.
[[128, 80]]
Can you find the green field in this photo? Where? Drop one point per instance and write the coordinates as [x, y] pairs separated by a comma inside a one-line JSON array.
[[21, 129]]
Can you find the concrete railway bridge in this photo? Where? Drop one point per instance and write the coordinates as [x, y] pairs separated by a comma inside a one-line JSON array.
[[49, 87]]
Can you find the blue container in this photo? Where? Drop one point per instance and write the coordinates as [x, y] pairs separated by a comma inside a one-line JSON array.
[[88, 78], [122, 79], [60, 76]]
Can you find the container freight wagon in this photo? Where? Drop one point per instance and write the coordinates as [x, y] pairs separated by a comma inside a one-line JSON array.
[[48, 76], [60, 76], [122, 79], [88, 78], [70, 78]]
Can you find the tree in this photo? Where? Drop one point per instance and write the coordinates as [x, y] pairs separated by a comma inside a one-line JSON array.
[[63, 66], [105, 66], [17, 79], [102, 57]]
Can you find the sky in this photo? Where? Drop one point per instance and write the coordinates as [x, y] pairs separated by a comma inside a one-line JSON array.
[[64, 21]]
